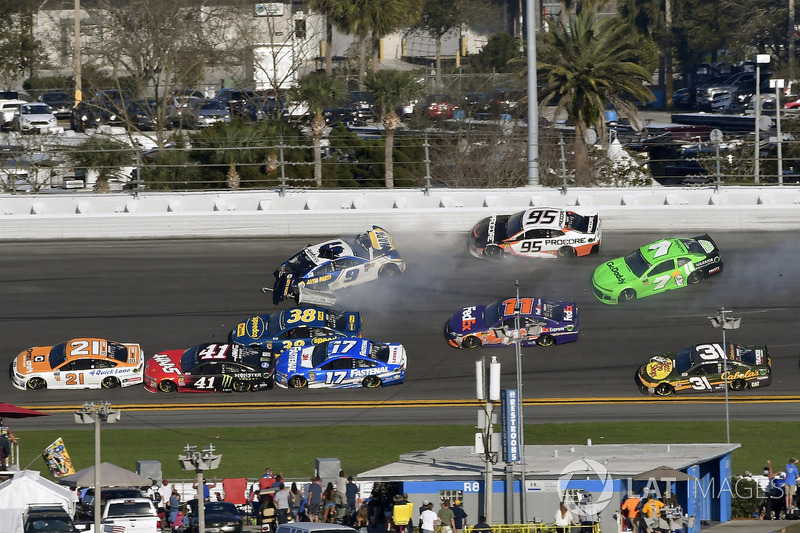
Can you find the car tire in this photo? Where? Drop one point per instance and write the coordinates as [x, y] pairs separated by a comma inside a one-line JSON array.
[[240, 386], [387, 271], [627, 295], [664, 389], [493, 251], [694, 278], [738, 384], [167, 386], [545, 340], [371, 382], [109, 382], [471, 342], [297, 382], [567, 252], [36, 384]]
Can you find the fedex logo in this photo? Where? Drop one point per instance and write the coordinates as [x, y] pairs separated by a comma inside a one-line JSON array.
[[467, 319]]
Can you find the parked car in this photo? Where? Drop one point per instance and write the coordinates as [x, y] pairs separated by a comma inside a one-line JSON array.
[[437, 106], [36, 118], [706, 94], [142, 114], [220, 517], [7, 110], [235, 99], [362, 105], [205, 113], [45, 518], [509, 102], [131, 514], [59, 102]]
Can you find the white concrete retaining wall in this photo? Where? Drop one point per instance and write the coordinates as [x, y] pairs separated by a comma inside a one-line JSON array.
[[313, 213]]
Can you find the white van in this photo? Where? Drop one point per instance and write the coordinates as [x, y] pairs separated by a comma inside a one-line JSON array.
[[313, 527]]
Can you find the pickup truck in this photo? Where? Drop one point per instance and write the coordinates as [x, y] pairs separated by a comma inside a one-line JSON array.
[[134, 514]]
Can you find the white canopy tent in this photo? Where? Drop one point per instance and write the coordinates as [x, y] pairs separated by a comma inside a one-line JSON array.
[[27, 487]]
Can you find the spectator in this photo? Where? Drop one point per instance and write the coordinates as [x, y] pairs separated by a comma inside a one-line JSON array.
[[630, 512], [460, 516], [482, 526], [564, 519], [297, 502], [351, 492], [402, 512], [282, 503], [314, 494], [174, 509], [652, 511], [206, 489], [791, 482], [362, 518], [266, 481], [428, 519], [329, 503], [165, 493], [447, 519]]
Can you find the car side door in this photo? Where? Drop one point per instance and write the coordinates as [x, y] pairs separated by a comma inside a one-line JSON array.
[[76, 373], [335, 373], [531, 242], [206, 376], [350, 271], [659, 278]]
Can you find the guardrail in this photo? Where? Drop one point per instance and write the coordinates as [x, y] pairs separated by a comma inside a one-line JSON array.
[[266, 213]]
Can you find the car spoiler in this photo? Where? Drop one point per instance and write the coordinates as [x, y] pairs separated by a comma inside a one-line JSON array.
[[283, 283], [706, 237]]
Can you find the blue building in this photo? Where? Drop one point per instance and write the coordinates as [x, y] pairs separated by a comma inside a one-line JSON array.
[[591, 479]]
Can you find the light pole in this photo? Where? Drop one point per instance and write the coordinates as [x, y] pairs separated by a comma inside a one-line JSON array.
[[488, 389], [520, 402], [721, 321], [778, 85], [761, 59], [533, 95], [93, 413], [205, 459]]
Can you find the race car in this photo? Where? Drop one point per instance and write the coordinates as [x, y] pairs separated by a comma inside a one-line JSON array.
[[299, 326], [84, 363], [657, 267], [311, 275], [210, 367], [537, 232], [701, 368], [541, 323], [342, 364]]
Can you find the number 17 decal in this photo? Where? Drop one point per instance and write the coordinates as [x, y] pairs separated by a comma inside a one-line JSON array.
[[335, 377]]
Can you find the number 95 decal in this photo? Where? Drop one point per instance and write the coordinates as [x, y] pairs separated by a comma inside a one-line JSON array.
[[531, 246]]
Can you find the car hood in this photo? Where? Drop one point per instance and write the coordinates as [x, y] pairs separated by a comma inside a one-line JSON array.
[[468, 320], [613, 272], [33, 360], [162, 361], [658, 368]]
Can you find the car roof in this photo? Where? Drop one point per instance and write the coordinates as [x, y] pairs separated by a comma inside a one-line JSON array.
[[309, 527]]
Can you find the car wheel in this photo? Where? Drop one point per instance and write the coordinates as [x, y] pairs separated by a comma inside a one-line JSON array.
[[298, 382], [628, 295], [567, 252], [471, 342], [664, 389], [36, 384], [545, 340], [493, 251], [738, 384], [109, 382], [371, 382], [240, 386], [694, 278], [167, 386], [387, 271]]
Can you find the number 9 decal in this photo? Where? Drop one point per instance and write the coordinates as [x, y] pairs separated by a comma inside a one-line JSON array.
[[351, 275]]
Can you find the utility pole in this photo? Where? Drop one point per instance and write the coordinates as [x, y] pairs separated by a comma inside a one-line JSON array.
[[78, 74], [487, 442], [205, 459]]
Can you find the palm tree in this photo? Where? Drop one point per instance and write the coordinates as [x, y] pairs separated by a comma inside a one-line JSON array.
[[104, 155], [390, 88], [320, 91], [374, 18], [585, 65]]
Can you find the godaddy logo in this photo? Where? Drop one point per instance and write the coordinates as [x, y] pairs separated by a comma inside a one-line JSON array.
[[586, 469]]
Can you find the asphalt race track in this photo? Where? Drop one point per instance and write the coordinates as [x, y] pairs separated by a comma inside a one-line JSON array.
[[175, 294]]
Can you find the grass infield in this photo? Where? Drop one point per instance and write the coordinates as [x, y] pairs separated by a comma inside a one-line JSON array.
[[293, 451]]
